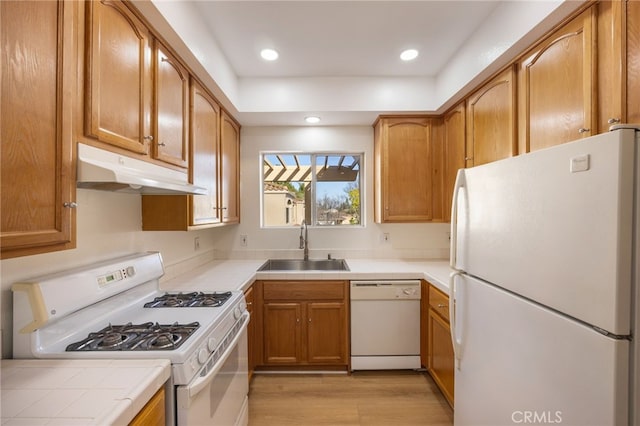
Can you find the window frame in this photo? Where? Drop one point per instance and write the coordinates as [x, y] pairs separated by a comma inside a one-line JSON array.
[[313, 190]]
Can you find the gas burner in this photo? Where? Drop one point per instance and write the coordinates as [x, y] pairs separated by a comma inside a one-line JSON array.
[[189, 300], [132, 337]]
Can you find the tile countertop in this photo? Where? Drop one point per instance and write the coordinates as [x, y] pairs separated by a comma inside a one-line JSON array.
[[78, 392], [222, 275]]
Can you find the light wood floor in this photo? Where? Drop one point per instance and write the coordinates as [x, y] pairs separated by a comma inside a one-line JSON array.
[[362, 398]]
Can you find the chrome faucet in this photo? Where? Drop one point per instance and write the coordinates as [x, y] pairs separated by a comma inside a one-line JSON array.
[[304, 241]]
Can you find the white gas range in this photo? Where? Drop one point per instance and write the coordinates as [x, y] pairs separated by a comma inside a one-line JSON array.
[[115, 310]]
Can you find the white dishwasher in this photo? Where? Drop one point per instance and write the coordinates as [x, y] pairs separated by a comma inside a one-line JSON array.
[[385, 324]]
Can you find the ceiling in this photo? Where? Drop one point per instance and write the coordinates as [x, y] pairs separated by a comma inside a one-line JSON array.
[[341, 38], [339, 60]]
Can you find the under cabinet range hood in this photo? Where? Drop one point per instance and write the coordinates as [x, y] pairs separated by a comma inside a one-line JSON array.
[[108, 171]]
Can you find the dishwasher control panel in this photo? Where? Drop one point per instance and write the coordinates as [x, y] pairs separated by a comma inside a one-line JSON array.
[[385, 290]]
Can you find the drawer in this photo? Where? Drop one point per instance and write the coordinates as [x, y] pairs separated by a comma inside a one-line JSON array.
[[304, 290], [439, 302]]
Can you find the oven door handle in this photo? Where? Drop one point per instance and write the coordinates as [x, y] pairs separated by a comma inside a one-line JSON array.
[[203, 381]]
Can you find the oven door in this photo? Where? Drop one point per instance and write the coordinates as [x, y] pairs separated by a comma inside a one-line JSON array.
[[219, 397]]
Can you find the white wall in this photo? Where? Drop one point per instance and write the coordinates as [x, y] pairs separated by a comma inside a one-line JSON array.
[[407, 240]]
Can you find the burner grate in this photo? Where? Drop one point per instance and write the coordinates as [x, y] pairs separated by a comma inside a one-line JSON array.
[[189, 300], [148, 336]]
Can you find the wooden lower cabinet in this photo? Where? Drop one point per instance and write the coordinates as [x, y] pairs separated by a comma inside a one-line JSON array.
[[153, 413], [424, 323], [304, 323], [251, 330], [440, 357]]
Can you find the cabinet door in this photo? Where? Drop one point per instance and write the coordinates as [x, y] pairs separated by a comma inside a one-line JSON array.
[[633, 61], [153, 413], [611, 84], [205, 124], [118, 80], [491, 121], [454, 145], [406, 170], [326, 333], [424, 323], [230, 173], [251, 330], [171, 143], [558, 86], [441, 358], [282, 333], [38, 83]]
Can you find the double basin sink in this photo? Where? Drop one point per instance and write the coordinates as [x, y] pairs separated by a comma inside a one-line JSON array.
[[304, 265]]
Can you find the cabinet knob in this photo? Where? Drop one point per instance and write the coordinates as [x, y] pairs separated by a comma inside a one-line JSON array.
[[613, 120], [583, 130], [70, 205], [468, 158], [440, 305], [161, 144], [148, 138]]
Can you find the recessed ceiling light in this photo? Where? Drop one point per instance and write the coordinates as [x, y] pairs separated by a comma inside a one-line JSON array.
[[312, 119], [269, 54], [409, 54]]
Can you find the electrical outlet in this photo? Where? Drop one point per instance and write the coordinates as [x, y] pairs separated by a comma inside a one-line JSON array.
[[196, 243], [243, 240], [385, 237]]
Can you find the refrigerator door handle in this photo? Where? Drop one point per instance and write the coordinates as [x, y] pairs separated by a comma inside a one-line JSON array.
[[460, 183], [456, 342]]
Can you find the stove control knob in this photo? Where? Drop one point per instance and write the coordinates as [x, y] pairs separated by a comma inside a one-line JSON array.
[[212, 343], [237, 313], [203, 355]]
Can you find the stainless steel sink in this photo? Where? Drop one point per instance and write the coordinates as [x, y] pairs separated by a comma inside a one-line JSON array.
[[304, 265]]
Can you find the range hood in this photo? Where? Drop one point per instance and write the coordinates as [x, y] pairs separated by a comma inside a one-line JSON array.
[[108, 171]]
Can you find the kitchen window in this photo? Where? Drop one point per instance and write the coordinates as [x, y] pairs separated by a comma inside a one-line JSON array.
[[322, 189]]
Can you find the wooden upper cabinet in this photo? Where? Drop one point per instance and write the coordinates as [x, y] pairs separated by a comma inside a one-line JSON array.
[[39, 71], [558, 87], [491, 121], [610, 54], [230, 169], [454, 148], [205, 142], [403, 169], [171, 143], [633, 61], [118, 78], [185, 212]]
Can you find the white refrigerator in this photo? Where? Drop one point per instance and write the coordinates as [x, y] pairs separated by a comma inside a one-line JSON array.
[[544, 255]]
